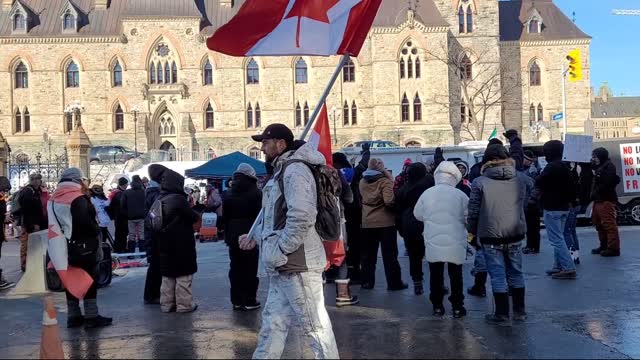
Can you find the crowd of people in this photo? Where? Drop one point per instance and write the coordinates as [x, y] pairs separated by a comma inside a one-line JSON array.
[[445, 212]]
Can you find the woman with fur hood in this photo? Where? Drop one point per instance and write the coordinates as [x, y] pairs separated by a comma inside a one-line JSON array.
[[443, 210]]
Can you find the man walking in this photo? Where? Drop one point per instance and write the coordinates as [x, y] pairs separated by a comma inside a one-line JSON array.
[[533, 209], [33, 214], [605, 199], [291, 251], [557, 192], [120, 218]]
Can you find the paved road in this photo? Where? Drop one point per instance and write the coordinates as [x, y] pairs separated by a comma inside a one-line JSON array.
[[596, 316]]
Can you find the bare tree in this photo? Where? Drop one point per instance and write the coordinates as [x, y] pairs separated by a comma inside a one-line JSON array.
[[482, 83]]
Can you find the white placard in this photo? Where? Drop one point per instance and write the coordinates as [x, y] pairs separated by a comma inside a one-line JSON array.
[[577, 148], [630, 161]]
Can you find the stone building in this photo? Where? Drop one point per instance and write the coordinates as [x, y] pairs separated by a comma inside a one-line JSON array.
[[138, 71], [615, 116]]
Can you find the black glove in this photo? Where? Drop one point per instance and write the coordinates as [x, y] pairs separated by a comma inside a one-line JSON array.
[[366, 147]]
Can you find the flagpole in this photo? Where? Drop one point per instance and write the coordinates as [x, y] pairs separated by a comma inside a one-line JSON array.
[[325, 94], [314, 116]]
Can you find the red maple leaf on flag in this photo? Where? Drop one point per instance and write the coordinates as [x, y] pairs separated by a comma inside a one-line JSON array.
[[311, 9]]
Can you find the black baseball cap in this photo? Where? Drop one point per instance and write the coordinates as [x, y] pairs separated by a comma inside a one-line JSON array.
[[275, 131]]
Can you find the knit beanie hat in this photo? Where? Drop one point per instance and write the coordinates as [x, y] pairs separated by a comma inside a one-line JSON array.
[[156, 171], [376, 164], [247, 170], [72, 174], [123, 181]]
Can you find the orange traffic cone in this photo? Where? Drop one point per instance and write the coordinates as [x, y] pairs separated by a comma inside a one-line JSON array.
[[50, 344]]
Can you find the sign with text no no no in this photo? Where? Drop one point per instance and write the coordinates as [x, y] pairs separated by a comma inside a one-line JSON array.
[[630, 158]]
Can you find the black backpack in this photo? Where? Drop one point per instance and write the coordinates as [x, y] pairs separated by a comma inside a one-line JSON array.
[[328, 188]]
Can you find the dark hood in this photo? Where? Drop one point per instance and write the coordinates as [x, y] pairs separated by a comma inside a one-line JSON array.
[[136, 184], [242, 183], [172, 182], [340, 161], [500, 169], [5, 184], [553, 150], [371, 176], [602, 154], [416, 172], [156, 171]]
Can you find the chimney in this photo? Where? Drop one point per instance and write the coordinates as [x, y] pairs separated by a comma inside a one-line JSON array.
[[7, 4], [102, 4]]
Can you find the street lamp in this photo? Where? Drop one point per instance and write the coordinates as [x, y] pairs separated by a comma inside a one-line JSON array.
[[47, 141], [75, 109], [135, 112], [335, 131]]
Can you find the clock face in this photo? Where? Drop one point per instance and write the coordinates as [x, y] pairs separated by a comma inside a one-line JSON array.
[[163, 50]]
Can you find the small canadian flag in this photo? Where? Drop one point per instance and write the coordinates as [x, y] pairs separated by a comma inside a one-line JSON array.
[[320, 138], [296, 27]]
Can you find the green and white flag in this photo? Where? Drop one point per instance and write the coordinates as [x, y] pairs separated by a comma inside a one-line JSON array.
[[494, 134]]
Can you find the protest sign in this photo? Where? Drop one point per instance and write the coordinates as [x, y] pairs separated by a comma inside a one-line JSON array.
[[577, 148]]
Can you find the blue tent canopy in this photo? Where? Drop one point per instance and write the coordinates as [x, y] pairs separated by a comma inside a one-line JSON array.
[[225, 166]]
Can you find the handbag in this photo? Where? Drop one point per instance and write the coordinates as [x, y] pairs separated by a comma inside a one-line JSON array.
[[78, 253], [54, 283]]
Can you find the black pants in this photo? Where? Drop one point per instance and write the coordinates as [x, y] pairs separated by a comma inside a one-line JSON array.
[[415, 247], [387, 238], [436, 271], [243, 275], [122, 231], [154, 280], [354, 249], [533, 227]]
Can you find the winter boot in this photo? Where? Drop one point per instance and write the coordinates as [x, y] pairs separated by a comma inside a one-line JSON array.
[[478, 289], [518, 304], [418, 288], [344, 297], [501, 315]]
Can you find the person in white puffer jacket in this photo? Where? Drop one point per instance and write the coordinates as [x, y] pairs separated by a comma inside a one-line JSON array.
[[443, 210]]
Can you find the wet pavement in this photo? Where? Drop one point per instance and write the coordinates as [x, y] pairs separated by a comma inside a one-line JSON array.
[[595, 316]]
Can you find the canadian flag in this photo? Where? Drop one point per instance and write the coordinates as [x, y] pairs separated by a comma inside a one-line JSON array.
[[296, 27], [320, 138]]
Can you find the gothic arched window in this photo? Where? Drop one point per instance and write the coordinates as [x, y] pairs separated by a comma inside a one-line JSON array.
[[73, 75], [417, 108], [532, 115], [461, 20], [298, 115], [540, 112], [119, 118], [406, 115], [349, 72], [117, 74], [409, 68], [249, 116], [345, 114], [208, 73], [534, 75], [174, 73], [258, 116], [19, 22], [466, 68], [68, 21], [253, 72], [301, 72], [469, 20], [354, 113], [18, 121], [418, 68], [22, 76], [208, 117], [27, 121], [306, 113], [402, 69]]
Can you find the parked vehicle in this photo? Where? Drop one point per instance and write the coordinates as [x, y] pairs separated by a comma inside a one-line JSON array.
[[375, 144], [111, 153]]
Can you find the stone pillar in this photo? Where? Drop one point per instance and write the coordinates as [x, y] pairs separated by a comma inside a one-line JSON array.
[[78, 146], [4, 155]]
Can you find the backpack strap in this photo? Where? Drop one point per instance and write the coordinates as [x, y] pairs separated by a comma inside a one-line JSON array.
[[280, 177]]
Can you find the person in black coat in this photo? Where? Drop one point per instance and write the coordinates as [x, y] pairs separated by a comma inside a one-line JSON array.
[[605, 202], [241, 206], [409, 228], [353, 211], [133, 207], [154, 278], [5, 188], [120, 219], [515, 148], [177, 257]]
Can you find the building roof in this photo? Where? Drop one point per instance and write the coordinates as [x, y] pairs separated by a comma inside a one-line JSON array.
[[46, 20], [394, 12], [615, 107], [556, 25]]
